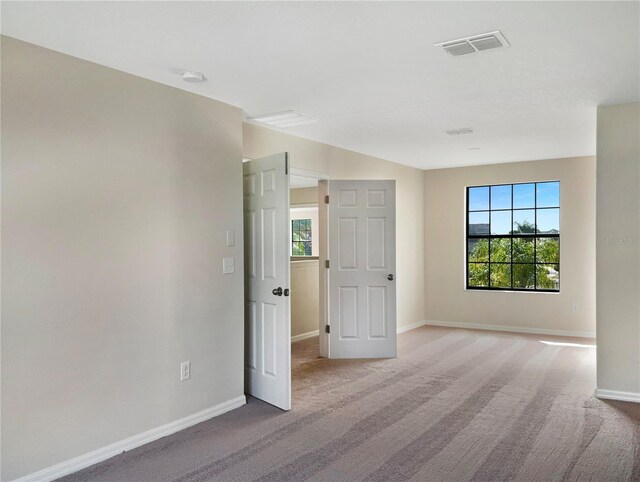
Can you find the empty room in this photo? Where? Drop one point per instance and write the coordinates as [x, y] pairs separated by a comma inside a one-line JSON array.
[[320, 240]]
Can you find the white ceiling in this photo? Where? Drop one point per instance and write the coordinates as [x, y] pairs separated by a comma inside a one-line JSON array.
[[368, 70]]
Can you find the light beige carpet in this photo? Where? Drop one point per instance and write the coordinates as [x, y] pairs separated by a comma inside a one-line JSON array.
[[455, 405]]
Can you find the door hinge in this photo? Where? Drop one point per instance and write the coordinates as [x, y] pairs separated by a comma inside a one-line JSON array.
[[326, 199], [326, 264], [327, 328], [286, 165]]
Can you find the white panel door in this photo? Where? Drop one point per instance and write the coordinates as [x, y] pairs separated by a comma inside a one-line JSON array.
[[362, 265], [267, 267]]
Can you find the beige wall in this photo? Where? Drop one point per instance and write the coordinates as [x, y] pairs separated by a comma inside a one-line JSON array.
[[618, 248], [304, 195], [343, 164], [116, 194], [445, 294], [304, 296]]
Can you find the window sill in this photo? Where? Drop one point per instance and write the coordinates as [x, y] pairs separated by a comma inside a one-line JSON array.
[[531, 292]]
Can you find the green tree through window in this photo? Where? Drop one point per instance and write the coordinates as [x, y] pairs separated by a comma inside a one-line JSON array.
[[301, 237], [513, 237]]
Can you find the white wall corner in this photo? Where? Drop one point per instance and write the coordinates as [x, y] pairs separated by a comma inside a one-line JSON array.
[[617, 395], [412, 326], [513, 329], [83, 461]]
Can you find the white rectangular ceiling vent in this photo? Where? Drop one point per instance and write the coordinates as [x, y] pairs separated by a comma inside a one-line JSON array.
[[475, 43], [284, 119]]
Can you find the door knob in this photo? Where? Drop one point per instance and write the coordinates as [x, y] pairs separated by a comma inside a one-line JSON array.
[[390, 277], [277, 291]]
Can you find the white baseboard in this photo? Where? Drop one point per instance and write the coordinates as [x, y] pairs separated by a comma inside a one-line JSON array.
[[400, 329], [78, 463], [513, 329], [304, 336], [412, 326], [617, 395]]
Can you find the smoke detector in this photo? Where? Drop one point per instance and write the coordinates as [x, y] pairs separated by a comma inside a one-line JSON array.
[[474, 43], [284, 119], [192, 77]]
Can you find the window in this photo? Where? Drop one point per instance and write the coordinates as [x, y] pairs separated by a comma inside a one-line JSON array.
[[513, 237], [301, 237]]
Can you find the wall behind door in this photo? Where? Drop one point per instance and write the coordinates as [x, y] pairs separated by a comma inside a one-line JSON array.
[[305, 291], [116, 194]]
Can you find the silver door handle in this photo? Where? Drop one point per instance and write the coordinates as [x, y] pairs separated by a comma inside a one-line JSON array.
[[277, 291], [390, 277]]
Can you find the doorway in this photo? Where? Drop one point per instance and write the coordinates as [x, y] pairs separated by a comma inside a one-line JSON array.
[[350, 298], [306, 245]]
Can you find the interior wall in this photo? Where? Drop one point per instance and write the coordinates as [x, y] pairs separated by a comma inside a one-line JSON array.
[[340, 163], [304, 296], [448, 301], [304, 195], [618, 250], [116, 195]]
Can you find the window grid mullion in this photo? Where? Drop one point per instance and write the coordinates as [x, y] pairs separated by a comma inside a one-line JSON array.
[[466, 247], [535, 240], [511, 230], [489, 251]]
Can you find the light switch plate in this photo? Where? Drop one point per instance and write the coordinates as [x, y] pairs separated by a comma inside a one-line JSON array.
[[228, 265], [231, 238]]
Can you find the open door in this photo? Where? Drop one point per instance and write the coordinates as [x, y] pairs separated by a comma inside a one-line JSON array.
[[267, 266], [362, 264]]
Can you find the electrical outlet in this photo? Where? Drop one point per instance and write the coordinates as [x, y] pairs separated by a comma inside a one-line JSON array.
[[185, 371], [575, 308]]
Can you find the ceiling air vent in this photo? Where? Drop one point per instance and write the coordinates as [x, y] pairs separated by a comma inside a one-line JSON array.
[[283, 119], [474, 43], [458, 48], [486, 43]]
